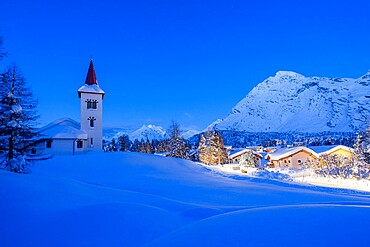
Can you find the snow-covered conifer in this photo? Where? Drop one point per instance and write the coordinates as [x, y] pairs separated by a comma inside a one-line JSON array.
[[142, 146], [148, 147], [249, 159], [124, 143], [177, 144], [211, 148], [362, 147], [135, 146], [18, 136]]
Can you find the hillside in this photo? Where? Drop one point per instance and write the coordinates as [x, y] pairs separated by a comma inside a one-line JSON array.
[[289, 102], [132, 199]]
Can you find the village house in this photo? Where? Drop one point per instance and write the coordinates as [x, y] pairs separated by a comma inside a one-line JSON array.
[[238, 156], [293, 157], [66, 136], [339, 150]]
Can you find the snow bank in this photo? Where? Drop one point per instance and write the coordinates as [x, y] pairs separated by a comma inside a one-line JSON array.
[[132, 199]]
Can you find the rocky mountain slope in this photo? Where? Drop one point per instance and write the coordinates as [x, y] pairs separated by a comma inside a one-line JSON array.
[[292, 102]]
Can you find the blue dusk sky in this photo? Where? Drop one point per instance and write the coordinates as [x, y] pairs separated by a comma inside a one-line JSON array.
[[189, 61]]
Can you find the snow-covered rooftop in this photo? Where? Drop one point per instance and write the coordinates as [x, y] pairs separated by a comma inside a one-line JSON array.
[[239, 151], [64, 128], [285, 152], [328, 149], [94, 88]]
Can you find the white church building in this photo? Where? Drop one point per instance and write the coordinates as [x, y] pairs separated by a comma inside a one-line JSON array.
[[66, 136]]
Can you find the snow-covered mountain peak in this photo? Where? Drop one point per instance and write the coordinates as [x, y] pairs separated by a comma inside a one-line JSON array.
[[285, 74], [292, 102], [149, 131], [365, 76]]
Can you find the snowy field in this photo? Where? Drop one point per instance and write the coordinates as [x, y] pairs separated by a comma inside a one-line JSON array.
[[302, 176], [132, 199]]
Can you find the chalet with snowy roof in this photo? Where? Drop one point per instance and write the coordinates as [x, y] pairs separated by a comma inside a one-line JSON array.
[[66, 136], [237, 156], [293, 157], [339, 150]]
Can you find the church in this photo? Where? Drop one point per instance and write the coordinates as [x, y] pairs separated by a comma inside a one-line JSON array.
[[65, 135]]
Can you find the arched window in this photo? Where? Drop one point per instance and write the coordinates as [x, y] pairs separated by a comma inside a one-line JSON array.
[[91, 121]]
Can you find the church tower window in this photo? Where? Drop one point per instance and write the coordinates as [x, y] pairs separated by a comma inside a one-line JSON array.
[[91, 104], [92, 121]]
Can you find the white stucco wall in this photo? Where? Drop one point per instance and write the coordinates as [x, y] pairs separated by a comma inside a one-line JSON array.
[[63, 147], [95, 132]]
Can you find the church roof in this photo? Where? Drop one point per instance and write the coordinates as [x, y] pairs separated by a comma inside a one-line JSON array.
[[64, 128], [91, 76], [91, 84]]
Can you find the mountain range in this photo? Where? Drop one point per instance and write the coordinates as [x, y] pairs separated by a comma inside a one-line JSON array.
[[290, 102]]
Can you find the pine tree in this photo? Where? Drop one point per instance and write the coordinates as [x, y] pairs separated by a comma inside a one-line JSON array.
[[113, 147], [219, 154], [142, 146], [18, 136], [177, 144], [135, 146], [154, 145], [204, 150], [211, 148], [362, 147], [249, 159], [148, 147], [163, 146], [124, 143]]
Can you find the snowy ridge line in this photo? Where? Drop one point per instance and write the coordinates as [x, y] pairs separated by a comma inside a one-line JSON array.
[[289, 101], [253, 209]]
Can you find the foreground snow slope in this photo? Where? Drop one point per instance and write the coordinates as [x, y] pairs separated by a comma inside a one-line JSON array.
[[131, 199]]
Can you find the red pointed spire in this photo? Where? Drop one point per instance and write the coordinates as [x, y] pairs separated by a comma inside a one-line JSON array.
[[91, 76]]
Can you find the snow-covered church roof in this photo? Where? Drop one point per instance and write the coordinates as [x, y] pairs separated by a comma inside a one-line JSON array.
[[64, 128], [91, 83]]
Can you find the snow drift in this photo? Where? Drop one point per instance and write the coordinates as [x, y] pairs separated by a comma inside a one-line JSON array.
[[132, 199]]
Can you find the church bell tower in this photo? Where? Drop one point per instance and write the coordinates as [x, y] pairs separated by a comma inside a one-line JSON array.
[[91, 97]]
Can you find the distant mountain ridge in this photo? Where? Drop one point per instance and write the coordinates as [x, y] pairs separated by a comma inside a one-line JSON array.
[[146, 131], [289, 102], [149, 131]]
